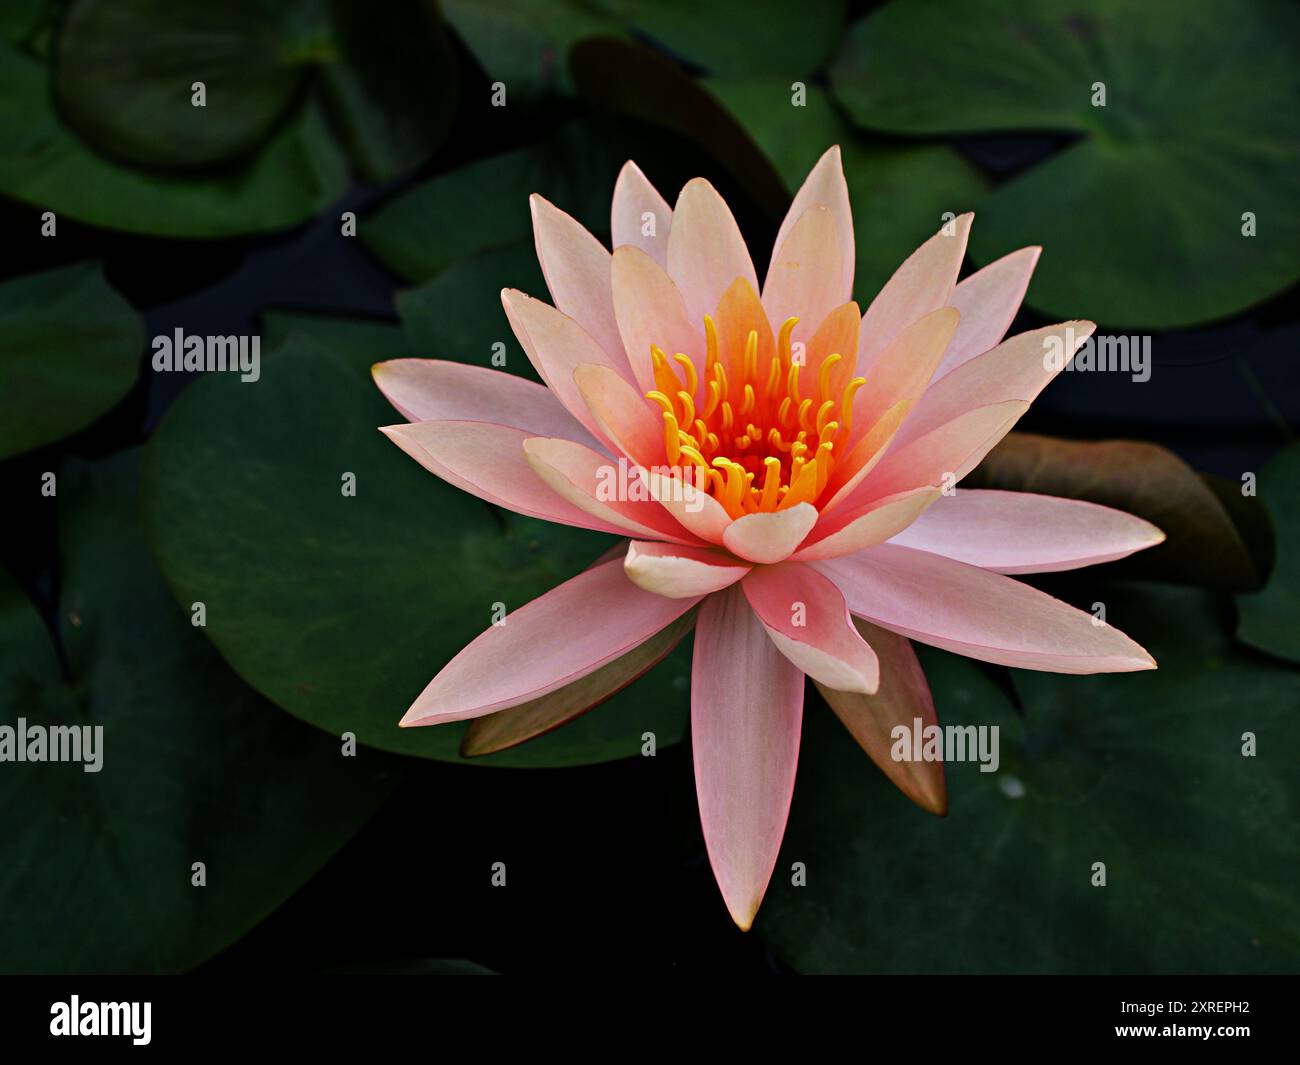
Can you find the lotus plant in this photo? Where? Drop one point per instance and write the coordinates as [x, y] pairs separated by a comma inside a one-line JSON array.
[[785, 468]]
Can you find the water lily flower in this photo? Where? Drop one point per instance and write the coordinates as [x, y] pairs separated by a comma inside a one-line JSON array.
[[786, 470]]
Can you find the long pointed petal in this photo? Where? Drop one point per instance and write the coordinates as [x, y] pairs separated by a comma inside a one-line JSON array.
[[706, 252], [509, 728], [988, 301], [746, 713], [979, 614], [904, 696], [824, 185], [805, 279], [772, 536], [1020, 532], [650, 311], [639, 215], [488, 461], [436, 390], [872, 523], [924, 283], [622, 415], [558, 638], [576, 267], [808, 620]]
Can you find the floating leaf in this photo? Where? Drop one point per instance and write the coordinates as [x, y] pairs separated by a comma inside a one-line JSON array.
[[341, 608], [1143, 772], [1270, 620], [296, 174], [1202, 544], [1145, 217], [193, 767], [69, 350]]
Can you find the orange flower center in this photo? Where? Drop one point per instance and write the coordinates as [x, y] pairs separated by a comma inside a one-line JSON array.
[[764, 439]]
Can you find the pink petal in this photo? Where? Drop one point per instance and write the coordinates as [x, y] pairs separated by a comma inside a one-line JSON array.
[[576, 267], [622, 415], [824, 185], [556, 345], [556, 639], [805, 280], [847, 531], [436, 390], [988, 301], [488, 461], [772, 536], [924, 283], [1019, 368], [807, 619], [680, 572], [903, 370], [1019, 532], [746, 713], [706, 252], [983, 615], [694, 509], [634, 199], [942, 456], [903, 697], [596, 485], [650, 311]]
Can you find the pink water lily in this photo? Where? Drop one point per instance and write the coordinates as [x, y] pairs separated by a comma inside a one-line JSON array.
[[786, 470]]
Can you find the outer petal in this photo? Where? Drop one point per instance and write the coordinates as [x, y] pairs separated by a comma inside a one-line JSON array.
[[746, 712], [556, 639], [1019, 368], [824, 185], [706, 252], [951, 450], [488, 461], [923, 283], [770, 537], [598, 486], [805, 279], [637, 207], [903, 697], [576, 267], [808, 620], [680, 572], [988, 301], [436, 390], [556, 345], [650, 310], [980, 614], [509, 728], [1019, 532], [847, 531]]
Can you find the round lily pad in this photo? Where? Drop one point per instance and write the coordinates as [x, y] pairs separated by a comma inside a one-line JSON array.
[[192, 825], [340, 607], [70, 348], [1176, 203], [1135, 823], [127, 72]]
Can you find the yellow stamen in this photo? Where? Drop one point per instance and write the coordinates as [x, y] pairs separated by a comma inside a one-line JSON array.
[[823, 376], [688, 367]]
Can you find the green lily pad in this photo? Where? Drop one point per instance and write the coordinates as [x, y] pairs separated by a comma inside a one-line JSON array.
[[1143, 217], [125, 71], [390, 83], [69, 350], [899, 193], [341, 608], [483, 206], [193, 767], [1270, 620], [1143, 772], [368, 338], [42, 162]]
